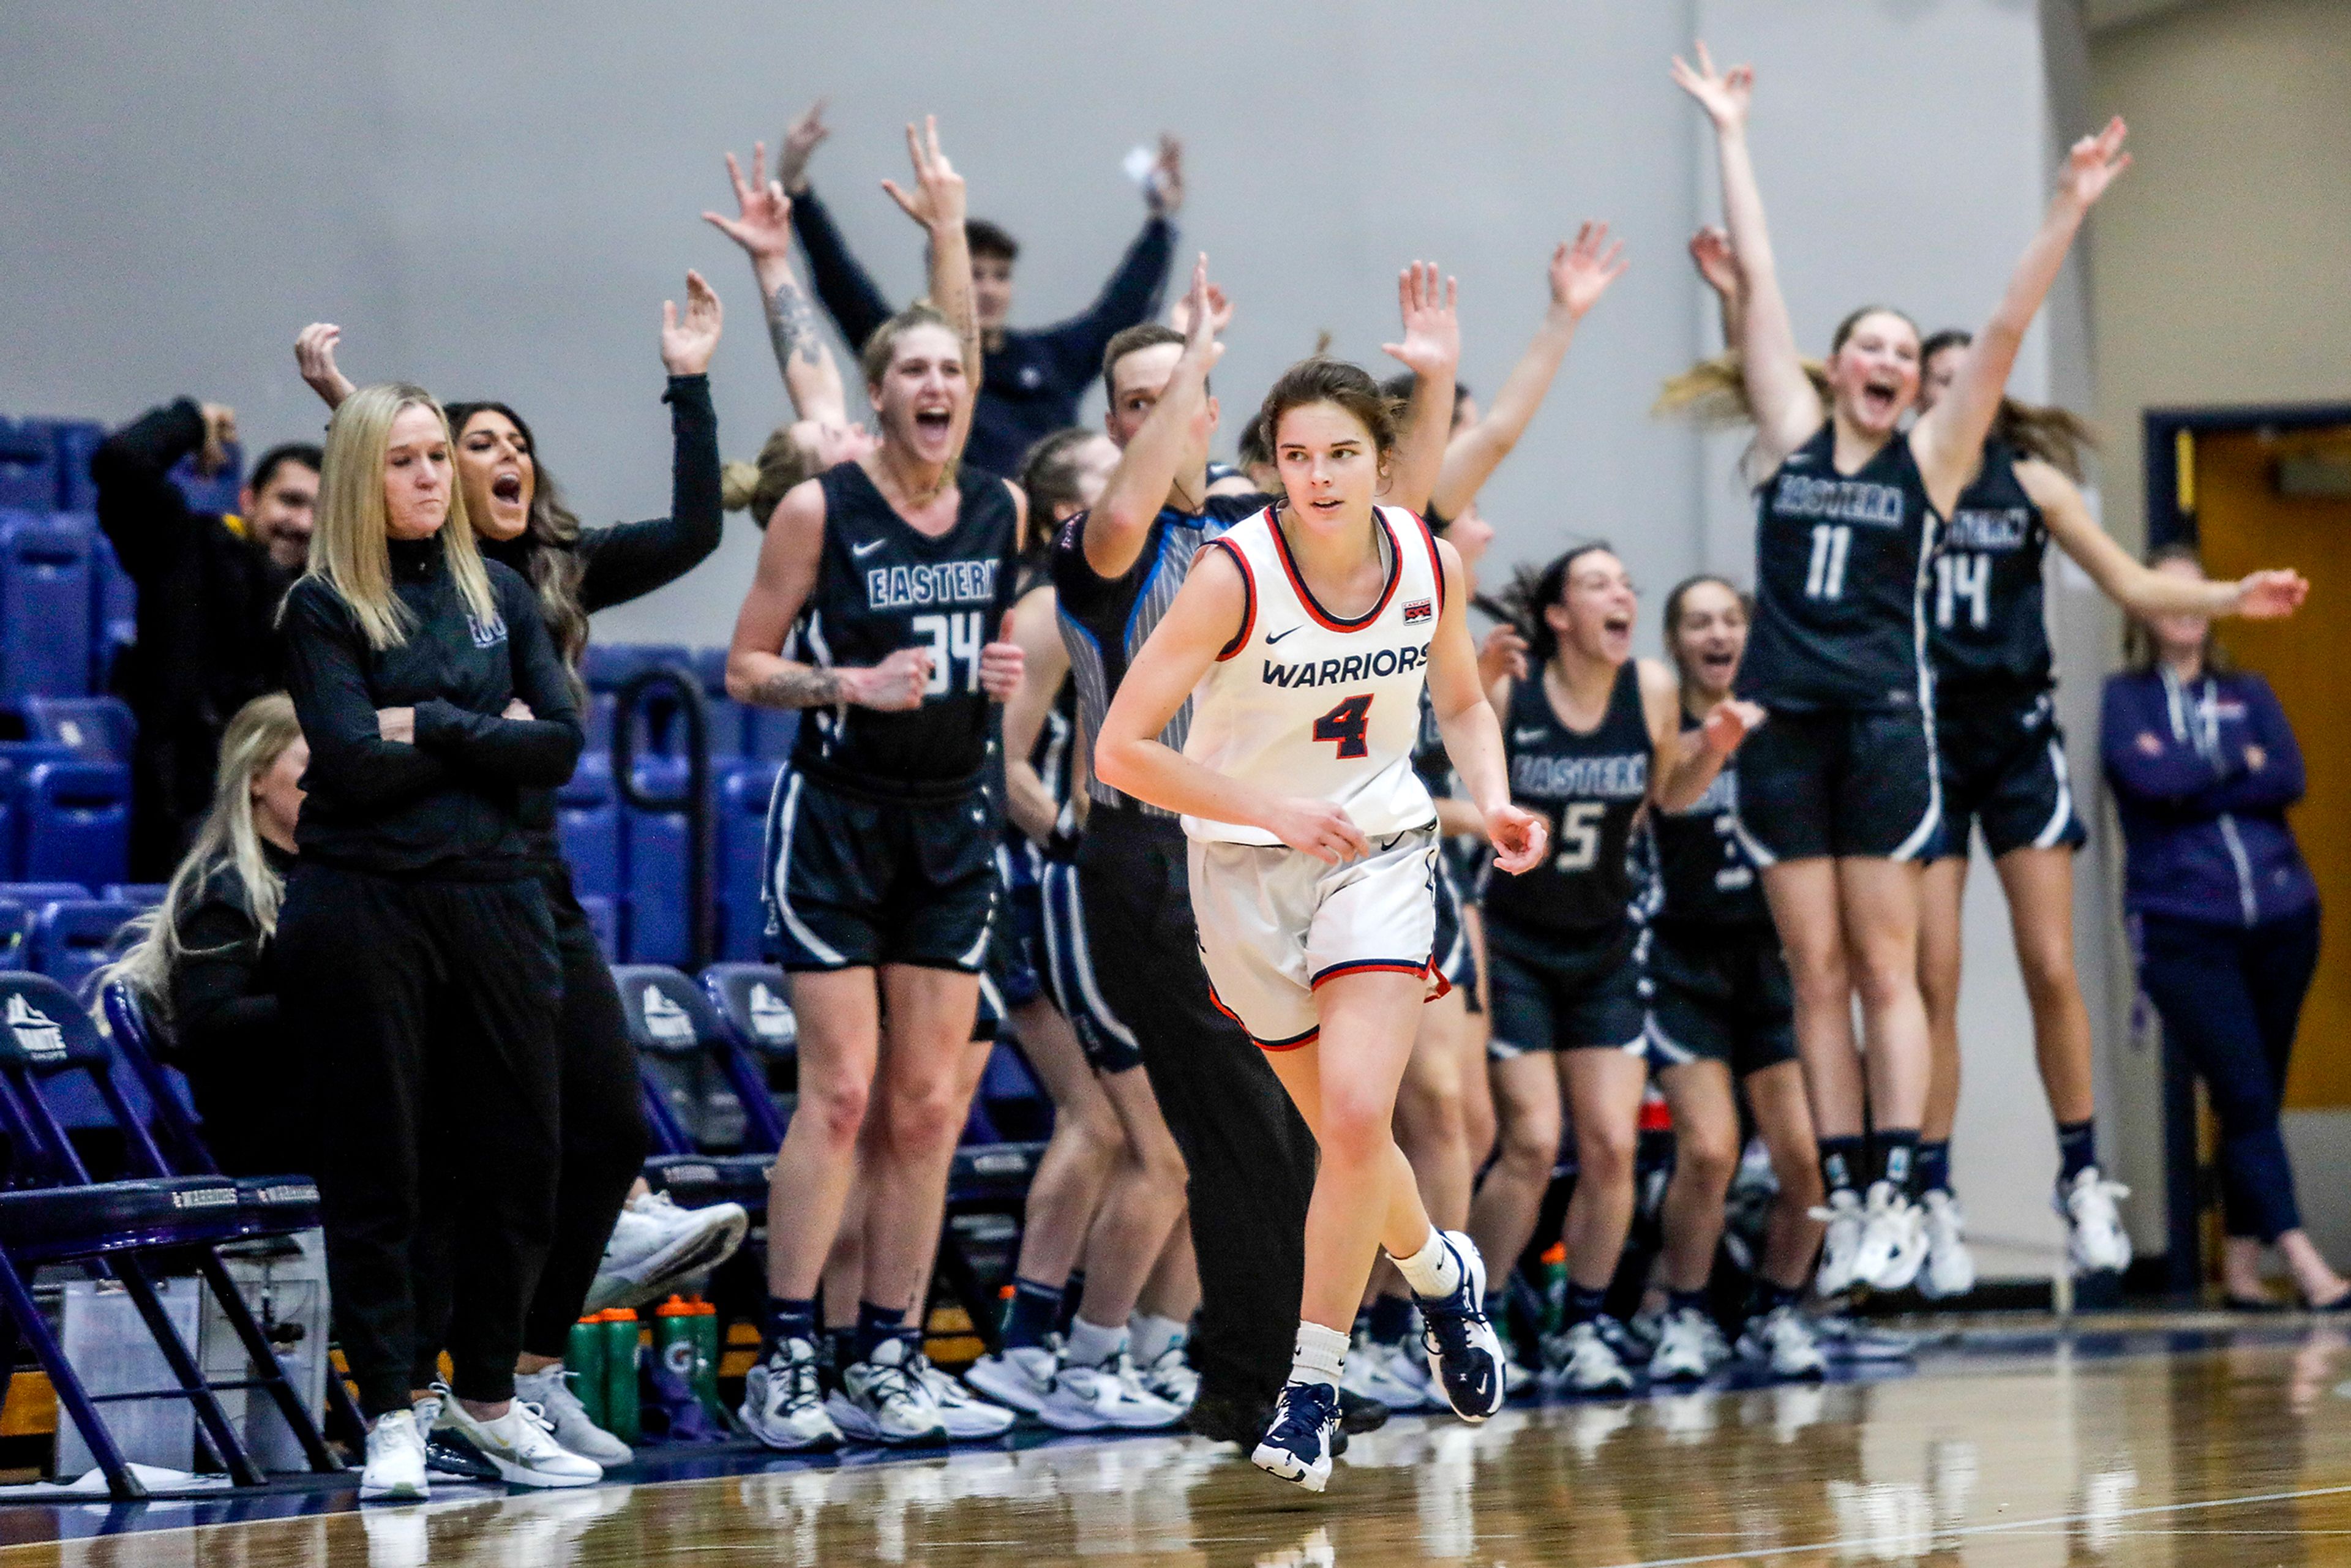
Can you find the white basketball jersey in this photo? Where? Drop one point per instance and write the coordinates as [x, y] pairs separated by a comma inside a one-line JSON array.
[[1304, 702]]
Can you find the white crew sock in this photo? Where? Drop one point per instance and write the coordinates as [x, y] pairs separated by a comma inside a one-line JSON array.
[[1091, 1345], [1322, 1354], [1153, 1336], [1434, 1271]]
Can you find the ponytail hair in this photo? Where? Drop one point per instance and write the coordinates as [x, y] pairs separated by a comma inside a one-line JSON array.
[[2057, 436], [1713, 393], [1530, 592], [758, 487]]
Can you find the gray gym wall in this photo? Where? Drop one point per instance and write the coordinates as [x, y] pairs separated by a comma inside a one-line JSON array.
[[495, 201]]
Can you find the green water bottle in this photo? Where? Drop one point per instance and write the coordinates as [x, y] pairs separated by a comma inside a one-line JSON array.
[[620, 1353], [1555, 1262], [707, 1338], [674, 1346], [583, 1365]]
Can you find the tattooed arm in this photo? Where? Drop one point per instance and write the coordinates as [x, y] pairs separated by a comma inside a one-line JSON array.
[[759, 671], [764, 229]]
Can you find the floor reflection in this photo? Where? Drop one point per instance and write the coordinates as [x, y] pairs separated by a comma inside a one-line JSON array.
[[2121, 1454]]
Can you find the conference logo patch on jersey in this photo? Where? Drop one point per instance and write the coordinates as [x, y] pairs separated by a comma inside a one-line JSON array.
[[1353, 668], [1419, 610]]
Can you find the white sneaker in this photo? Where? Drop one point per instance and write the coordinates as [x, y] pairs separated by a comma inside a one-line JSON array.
[[2096, 1240], [1171, 1377], [967, 1417], [1019, 1378], [1371, 1373], [1840, 1245], [551, 1391], [1782, 1340], [783, 1404], [655, 1244], [1103, 1398], [1582, 1362], [1408, 1366], [395, 1461], [1516, 1378], [1950, 1268], [1893, 1239], [522, 1445], [1686, 1347], [886, 1401]]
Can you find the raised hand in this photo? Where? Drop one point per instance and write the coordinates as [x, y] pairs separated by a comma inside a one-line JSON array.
[[1432, 332], [1519, 836], [1724, 95], [763, 226], [2094, 164], [686, 345], [1581, 272], [1710, 253], [1503, 652], [314, 355], [1730, 723], [2270, 595], [937, 199], [1180, 315], [1001, 663], [800, 144], [1163, 188], [220, 434]]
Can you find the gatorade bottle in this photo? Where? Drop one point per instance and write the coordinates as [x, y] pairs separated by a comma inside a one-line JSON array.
[[674, 1337], [584, 1364], [1555, 1262], [706, 1341], [621, 1353]]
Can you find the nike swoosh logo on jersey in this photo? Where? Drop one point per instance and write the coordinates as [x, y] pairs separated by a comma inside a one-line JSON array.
[[868, 547], [1527, 736], [1277, 636]]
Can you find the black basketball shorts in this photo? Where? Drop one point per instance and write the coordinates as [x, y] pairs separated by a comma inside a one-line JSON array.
[[1719, 993], [856, 880], [1549, 992], [1839, 783], [2003, 762]]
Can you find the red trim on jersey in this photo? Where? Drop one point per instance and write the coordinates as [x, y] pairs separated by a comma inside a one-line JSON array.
[[1322, 618], [1364, 966], [1249, 596]]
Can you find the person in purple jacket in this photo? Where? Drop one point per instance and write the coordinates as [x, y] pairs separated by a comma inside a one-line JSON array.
[[2203, 765]]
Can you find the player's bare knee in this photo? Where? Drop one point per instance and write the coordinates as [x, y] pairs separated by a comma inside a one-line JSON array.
[[836, 1111]]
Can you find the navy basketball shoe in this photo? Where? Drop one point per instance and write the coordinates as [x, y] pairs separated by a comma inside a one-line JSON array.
[[1297, 1447], [1463, 1347]]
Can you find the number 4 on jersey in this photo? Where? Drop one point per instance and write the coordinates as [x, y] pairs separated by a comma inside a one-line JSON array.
[[1347, 724]]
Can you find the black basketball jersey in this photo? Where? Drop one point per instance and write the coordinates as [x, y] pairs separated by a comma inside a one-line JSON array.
[[1703, 871], [1591, 785], [1989, 627], [1840, 580], [881, 586]]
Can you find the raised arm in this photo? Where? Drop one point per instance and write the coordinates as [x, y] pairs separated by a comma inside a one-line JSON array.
[[2137, 588], [1431, 350], [1134, 290], [1718, 266], [1025, 799], [1121, 520], [937, 203], [763, 227], [756, 670], [1683, 763], [1473, 735], [1787, 410], [1580, 274], [141, 512], [1949, 439], [849, 293], [314, 356]]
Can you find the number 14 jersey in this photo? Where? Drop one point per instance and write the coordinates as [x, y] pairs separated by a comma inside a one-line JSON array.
[[1304, 701], [1841, 583]]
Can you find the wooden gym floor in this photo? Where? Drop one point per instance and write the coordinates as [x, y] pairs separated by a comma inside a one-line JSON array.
[[2151, 1438]]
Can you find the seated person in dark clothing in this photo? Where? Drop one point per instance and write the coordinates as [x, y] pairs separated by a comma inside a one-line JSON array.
[[209, 588], [1030, 380], [204, 966]]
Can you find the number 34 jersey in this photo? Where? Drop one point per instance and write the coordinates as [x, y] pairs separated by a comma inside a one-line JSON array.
[[883, 585], [1841, 583], [1303, 702], [1591, 784]]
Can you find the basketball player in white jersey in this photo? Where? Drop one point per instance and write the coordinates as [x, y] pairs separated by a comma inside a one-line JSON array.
[[1309, 630]]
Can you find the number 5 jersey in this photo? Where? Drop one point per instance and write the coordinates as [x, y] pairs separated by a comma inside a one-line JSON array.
[[1304, 701]]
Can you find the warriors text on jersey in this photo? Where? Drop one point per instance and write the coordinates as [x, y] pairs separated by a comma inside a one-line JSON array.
[[881, 586], [1840, 582], [1106, 621], [1590, 784], [1302, 702], [1703, 871], [1984, 600]]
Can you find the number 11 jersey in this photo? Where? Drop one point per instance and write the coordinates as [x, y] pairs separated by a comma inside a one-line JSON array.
[[1841, 583], [1304, 701]]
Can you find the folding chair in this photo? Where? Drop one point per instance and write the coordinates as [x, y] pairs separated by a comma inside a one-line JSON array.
[[53, 1213], [699, 1157]]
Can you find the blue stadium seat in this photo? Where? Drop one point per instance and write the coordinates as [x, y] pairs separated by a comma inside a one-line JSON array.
[[33, 894], [17, 933], [142, 895], [605, 919], [768, 733], [74, 441], [653, 852], [596, 721], [609, 664], [72, 938], [217, 493], [728, 727], [588, 822], [17, 761], [28, 467], [95, 729], [113, 609], [693, 1101], [74, 819], [45, 608], [754, 1005], [738, 840]]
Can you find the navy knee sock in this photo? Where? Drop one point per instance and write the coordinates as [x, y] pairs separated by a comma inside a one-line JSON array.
[[875, 1324], [2077, 1148], [789, 1317], [1841, 1163], [1583, 1303], [1897, 1158], [1031, 1315], [1934, 1165]]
